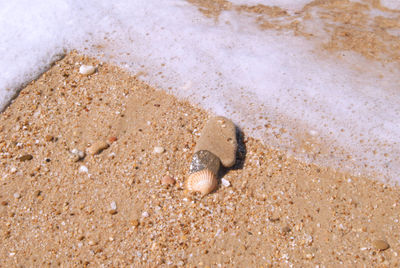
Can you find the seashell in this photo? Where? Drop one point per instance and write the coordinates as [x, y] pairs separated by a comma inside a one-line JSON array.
[[203, 181]]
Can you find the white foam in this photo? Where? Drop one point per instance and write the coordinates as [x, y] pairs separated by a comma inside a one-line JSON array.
[[392, 4], [228, 66], [33, 35]]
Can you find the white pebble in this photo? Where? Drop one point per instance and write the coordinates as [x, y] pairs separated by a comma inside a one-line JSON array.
[[113, 205], [145, 214], [83, 169], [313, 132], [158, 150], [17, 195], [218, 232], [87, 69], [225, 183], [78, 153]]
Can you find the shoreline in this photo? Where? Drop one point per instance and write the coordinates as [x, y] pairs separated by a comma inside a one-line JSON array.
[[277, 210], [298, 77]]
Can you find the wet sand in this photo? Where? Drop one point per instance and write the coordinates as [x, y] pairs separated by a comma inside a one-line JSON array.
[[58, 210]]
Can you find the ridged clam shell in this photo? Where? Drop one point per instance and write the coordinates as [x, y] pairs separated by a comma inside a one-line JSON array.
[[203, 181]]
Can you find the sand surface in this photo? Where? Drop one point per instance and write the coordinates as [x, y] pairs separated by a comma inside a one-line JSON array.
[[111, 209]]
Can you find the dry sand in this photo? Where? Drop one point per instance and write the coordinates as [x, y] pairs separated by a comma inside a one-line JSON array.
[[58, 211]]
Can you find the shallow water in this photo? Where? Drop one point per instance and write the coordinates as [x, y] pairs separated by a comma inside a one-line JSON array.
[[316, 79]]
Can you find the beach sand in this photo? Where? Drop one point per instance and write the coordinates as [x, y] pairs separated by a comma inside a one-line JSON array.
[[111, 208]]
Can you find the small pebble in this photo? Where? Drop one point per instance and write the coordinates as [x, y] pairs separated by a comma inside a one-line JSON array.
[[225, 183], [158, 150], [167, 180], [87, 69], [25, 157], [145, 214], [113, 211], [309, 256], [17, 195], [77, 154], [37, 193], [97, 147], [286, 229], [313, 132], [135, 223], [112, 139], [381, 245], [48, 138], [83, 169]]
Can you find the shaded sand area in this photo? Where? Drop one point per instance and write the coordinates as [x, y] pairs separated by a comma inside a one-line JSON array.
[[111, 208]]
